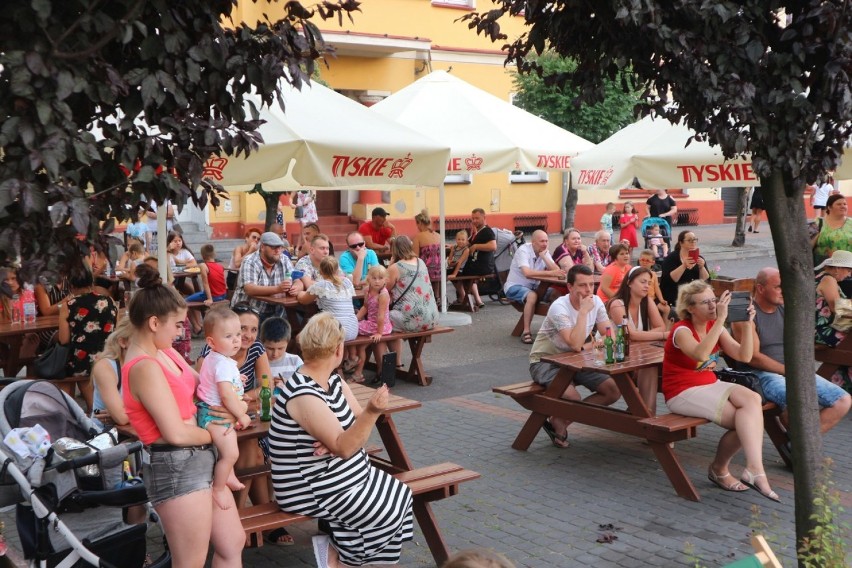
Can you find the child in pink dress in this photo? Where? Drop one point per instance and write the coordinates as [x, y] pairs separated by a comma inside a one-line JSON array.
[[374, 318], [629, 221]]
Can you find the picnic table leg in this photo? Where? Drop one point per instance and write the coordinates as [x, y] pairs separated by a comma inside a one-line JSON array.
[[429, 526], [519, 327], [777, 434], [675, 472], [536, 419], [416, 371], [13, 361], [397, 455]]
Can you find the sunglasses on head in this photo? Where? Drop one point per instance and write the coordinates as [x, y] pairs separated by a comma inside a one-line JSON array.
[[357, 245], [240, 309]]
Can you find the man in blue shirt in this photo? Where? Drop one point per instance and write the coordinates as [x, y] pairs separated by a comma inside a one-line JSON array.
[[357, 259]]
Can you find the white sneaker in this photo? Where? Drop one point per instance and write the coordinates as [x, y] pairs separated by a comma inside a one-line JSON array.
[[320, 543]]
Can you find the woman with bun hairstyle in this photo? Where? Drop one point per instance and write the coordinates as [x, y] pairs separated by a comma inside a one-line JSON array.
[[428, 245], [158, 387]]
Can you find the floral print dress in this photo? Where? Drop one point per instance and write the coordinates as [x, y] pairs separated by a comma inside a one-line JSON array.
[[91, 318], [415, 310], [827, 335]]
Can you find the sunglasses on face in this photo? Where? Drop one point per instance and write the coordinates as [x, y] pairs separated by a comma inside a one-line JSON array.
[[357, 245]]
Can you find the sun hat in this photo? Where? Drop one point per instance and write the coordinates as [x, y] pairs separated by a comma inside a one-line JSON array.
[[270, 239], [841, 258]]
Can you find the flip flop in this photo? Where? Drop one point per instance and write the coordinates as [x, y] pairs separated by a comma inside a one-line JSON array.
[[527, 338], [555, 438], [276, 535]]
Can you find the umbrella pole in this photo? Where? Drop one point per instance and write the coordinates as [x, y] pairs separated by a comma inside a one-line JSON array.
[[162, 255], [442, 227]]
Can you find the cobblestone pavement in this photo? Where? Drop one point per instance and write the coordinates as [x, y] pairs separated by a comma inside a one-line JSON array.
[[547, 507]]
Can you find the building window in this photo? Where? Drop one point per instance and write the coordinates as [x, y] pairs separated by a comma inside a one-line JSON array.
[[471, 4], [457, 178], [518, 176]]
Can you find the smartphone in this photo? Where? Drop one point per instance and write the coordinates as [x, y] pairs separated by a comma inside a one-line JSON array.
[[693, 254], [389, 368], [738, 307], [296, 274]]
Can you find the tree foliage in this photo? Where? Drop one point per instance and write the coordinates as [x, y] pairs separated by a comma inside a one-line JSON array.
[[560, 104], [770, 78], [107, 105]]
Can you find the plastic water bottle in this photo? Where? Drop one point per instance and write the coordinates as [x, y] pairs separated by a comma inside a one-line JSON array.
[[28, 305]]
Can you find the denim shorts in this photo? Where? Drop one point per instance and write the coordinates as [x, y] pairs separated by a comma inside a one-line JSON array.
[[543, 373], [518, 293], [176, 472], [775, 389]]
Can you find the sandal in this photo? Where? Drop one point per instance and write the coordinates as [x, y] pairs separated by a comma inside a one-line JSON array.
[[349, 366], [714, 477], [356, 378], [280, 537], [558, 441], [749, 478], [527, 338]]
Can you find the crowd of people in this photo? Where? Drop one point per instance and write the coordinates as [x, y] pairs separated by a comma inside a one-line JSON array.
[[182, 412]]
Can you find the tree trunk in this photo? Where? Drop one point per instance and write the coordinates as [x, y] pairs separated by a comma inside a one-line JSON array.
[[742, 209], [271, 202], [570, 206], [786, 211]]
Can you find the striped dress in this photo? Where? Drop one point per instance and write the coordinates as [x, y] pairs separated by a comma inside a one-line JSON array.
[[368, 512]]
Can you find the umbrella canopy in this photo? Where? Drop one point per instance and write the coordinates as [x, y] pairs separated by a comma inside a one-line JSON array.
[[655, 152], [486, 134], [328, 140]]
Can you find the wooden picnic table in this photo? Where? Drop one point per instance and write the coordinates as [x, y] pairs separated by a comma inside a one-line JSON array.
[[12, 334], [290, 303], [397, 462], [541, 306]]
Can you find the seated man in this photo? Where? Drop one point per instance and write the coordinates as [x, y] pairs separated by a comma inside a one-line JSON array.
[[310, 231], [378, 232], [357, 260], [263, 273], [599, 251], [480, 262], [531, 260], [768, 360], [569, 322]]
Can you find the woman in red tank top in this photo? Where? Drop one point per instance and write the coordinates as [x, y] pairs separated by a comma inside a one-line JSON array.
[[158, 389], [692, 389]]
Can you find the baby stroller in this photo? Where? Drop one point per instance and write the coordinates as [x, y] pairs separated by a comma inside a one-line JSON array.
[[63, 486], [665, 233], [507, 243]]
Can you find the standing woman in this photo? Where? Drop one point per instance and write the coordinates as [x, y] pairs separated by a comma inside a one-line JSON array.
[[629, 222], [427, 245], [756, 209], [692, 389], [158, 388], [819, 197], [836, 231], [307, 201], [643, 321], [680, 268]]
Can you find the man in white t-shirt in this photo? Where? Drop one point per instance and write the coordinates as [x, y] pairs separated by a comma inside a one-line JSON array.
[[568, 324], [531, 260]]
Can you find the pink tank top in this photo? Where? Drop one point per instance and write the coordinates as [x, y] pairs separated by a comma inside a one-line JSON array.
[[182, 387]]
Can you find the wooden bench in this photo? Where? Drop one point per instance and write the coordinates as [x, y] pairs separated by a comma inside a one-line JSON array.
[[832, 358], [428, 484], [470, 305], [202, 306], [416, 372]]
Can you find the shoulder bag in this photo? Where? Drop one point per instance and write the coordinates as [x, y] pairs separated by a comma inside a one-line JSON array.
[[842, 315], [407, 288], [742, 378], [300, 212], [51, 363]]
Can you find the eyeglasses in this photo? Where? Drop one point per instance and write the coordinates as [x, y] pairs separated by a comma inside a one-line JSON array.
[[709, 302], [357, 245], [692, 240], [254, 238], [240, 309]]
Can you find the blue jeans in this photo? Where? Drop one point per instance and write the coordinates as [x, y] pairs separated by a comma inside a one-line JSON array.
[[518, 293], [775, 389], [201, 296]]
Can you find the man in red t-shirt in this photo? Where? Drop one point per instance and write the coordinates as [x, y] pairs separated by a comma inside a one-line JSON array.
[[378, 233]]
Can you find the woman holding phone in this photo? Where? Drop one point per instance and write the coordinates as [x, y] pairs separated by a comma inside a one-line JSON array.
[[683, 265]]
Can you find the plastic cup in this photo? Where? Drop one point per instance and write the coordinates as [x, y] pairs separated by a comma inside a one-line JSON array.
[[17, 315]]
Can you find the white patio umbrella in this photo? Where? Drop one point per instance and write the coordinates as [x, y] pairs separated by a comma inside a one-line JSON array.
[[655, 152], [485, 133], [326, 140]]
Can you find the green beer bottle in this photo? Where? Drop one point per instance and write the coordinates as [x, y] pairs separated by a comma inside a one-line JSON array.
[[609, 345], [265, 399]]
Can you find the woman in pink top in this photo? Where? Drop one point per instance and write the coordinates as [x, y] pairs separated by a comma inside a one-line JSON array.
[[614, 273], [692, 389], [158, 388]]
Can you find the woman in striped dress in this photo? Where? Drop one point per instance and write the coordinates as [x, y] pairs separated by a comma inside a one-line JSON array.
[[319, 466]]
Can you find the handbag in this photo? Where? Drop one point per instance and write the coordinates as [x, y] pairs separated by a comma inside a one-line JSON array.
[[51, 363], [842, 315], [300, 212], [407, 288], [742, 378]]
